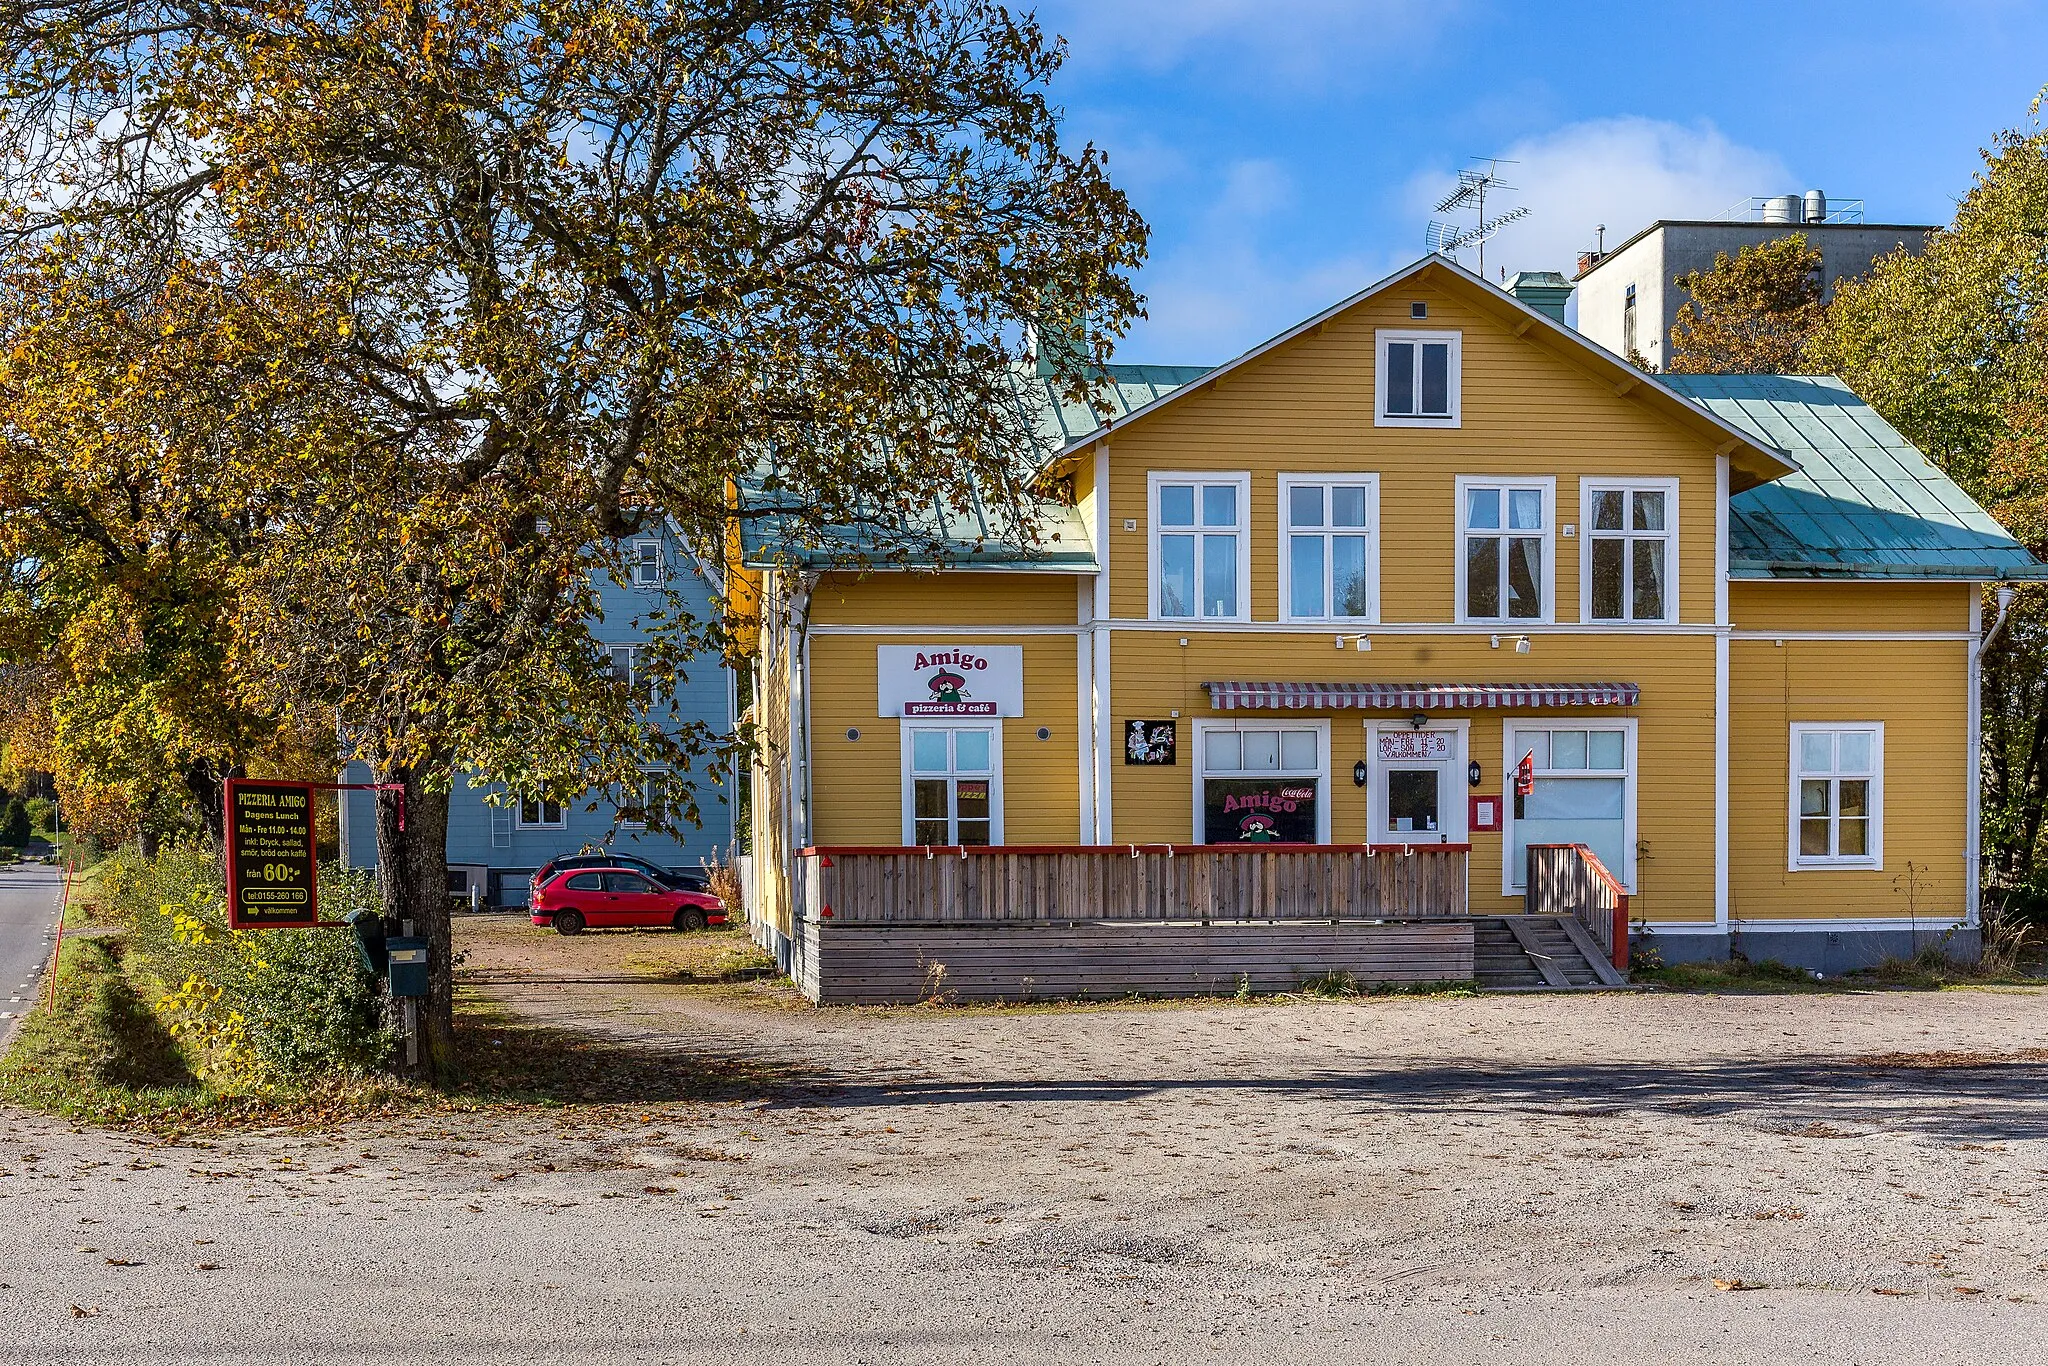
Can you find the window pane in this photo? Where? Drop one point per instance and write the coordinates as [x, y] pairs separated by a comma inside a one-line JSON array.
[[1298, 751], [1176, 576], [928, 751], [1853, 797], [1607, 510], [1649, 512], [1482, 577], [1436, 379], [1649, 581], [1817, 752], [586, 882], [1347, 505], [1589, 811], [929, 803], [1853, 750], [1219, 505], [1813, 838], [1219, 576], [1350, 593], [974, 833], [630, 883], [551, 813], [1536, 742], [1222, 751], [970, 799], [1607, 576], [1176, 505], [1305, 505], [1261, 750], [1482, 509], [1606, 749], [1305, 576], [1525, 509], [1853, 836], [1412, 800], [1813, 797], [932, 832], [1524, 574], [529, 812], [1567, 749], [1400, 379], [970, 751]]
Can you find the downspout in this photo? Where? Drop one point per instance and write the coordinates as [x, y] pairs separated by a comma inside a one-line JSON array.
[[1973, 850]]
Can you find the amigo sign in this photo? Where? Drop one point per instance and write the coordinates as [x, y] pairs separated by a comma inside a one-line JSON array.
[[949, 680], [272, 862]]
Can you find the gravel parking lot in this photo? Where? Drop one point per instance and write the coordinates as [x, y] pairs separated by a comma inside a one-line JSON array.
[[1851, 1176]]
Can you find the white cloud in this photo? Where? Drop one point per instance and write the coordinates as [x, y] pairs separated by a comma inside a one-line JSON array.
[[1623, 172], [1292, 39]]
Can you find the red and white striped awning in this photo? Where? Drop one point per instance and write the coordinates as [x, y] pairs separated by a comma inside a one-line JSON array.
[[1417, 696]]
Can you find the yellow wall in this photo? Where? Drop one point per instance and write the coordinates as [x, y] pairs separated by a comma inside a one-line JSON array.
[[857, 785], [1918, 689], [1308, 408], [900, 598], [1850, 606]]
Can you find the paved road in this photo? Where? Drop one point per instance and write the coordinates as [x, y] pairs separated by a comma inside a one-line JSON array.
[[28, 918]]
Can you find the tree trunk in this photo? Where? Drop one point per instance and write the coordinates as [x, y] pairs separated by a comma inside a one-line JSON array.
[[412, 881]]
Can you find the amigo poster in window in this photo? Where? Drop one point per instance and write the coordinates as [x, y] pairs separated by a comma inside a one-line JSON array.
[[1259, 811], [949, 680]]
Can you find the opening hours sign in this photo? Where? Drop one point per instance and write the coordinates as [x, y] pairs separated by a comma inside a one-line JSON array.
[[272, 861]]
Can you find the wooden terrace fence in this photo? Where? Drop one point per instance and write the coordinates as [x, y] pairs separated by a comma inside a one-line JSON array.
[[881, 885], [1570, 879]]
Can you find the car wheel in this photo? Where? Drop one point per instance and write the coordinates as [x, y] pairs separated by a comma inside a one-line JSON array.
[[568, 922], [690, 918]]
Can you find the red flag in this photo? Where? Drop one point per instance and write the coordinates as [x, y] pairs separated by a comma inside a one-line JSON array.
[[1525, 775]]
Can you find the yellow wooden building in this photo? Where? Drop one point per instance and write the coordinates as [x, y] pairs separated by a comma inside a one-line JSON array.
[[1307, 653]]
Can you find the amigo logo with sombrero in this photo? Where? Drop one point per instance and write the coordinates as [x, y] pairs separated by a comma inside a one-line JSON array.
[[947, 686]]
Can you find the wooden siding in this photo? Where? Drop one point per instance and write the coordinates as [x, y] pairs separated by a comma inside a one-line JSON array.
[[857, 785], [1918, 689], [1308, 408], [845, 965], [902, 598], [1850, 606], [1192, 882]]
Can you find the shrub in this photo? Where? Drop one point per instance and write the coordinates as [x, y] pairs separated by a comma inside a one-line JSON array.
[[724, 876], [40, 810], [14, 824], [256, 1007]]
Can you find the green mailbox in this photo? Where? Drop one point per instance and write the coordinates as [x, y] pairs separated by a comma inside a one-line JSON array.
[[408, 957]]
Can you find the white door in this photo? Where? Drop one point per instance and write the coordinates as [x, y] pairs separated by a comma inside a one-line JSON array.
[[1417, 780]]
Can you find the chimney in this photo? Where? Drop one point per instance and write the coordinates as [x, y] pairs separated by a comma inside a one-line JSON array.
[[1543, 290]]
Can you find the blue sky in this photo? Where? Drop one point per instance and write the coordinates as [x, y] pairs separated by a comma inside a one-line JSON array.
[[1287, 152]]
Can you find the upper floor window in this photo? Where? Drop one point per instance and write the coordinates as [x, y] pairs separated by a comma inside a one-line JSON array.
[[1838, 795], [1630, 556], [650, 570], [538, 814], [1329, 557], [1418, 379], [1506, 554], [625, 661], [1199, 545]]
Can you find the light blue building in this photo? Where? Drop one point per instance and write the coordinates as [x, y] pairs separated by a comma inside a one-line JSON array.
[[492, 848]]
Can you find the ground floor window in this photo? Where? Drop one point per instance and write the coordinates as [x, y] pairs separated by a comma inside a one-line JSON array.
[[1262, 783], [536, 813], [952, 785], [1837, 796], [1585, 794]]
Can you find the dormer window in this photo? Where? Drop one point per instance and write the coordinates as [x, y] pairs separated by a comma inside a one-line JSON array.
[[1418, 379]]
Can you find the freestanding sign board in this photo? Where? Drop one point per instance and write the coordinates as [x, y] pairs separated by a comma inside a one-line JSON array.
[[272, 862]]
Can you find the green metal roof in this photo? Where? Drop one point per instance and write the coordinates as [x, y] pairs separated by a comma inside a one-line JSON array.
[[1864, 503], [1049, 536]]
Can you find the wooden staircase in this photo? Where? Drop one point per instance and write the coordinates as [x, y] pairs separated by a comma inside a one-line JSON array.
[[1538, 953]]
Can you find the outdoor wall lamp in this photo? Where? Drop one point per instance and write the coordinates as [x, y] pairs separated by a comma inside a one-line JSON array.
[[1473, 773], [1363, 642], [1522, 645], [1358, 774], [1418, 721]]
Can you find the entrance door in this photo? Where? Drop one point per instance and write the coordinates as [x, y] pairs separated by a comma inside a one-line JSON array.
[[1417, 788]]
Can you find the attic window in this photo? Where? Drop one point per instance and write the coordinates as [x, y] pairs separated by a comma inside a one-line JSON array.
[[1417, 380], [1418, 310]]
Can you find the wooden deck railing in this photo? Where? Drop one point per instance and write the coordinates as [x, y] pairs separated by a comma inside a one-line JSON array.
[[1570, 879], [1146, 882]]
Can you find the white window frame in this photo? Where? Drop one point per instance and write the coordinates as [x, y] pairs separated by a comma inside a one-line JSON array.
[[1371, 531], [1807, 863], [1242, 481], [1513, 878], [1454, 385], [1548, 484], [1590, 486], [560, 822], [908, 728], [641, 561], [1325, 792], [647, 777], [632, 653]]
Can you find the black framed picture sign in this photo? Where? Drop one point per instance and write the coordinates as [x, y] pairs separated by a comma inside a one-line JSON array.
[[1151, 742]]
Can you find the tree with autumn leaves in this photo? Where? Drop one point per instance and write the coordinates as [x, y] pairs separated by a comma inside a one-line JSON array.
[[342, 342]]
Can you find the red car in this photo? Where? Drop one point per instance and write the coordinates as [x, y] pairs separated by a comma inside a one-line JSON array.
[[602, 898]]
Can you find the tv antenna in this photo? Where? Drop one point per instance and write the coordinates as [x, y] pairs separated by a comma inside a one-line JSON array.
[[1473, 186]]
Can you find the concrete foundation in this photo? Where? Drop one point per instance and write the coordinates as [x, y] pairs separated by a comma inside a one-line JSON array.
[[1823, 951]]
